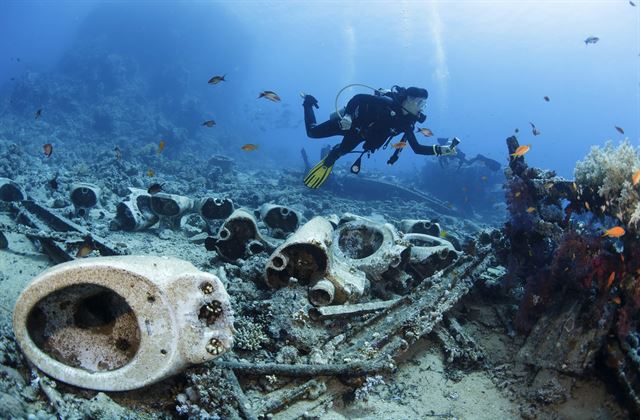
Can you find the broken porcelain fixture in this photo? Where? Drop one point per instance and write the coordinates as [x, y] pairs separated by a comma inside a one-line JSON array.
[[369, 246], [134, 213], [279, 218], [121, 323], [214, 208], [170, 207], [420, 226], [238, 237], [11, 190], [430, 253], [305, 256], [84, 196]]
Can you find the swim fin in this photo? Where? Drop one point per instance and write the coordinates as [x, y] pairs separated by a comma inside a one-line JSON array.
[[317, 175]]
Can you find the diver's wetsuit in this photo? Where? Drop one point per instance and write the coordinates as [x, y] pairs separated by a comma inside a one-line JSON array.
[[374, 120]]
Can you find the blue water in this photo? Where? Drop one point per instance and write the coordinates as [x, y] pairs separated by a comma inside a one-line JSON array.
[[487, 66]]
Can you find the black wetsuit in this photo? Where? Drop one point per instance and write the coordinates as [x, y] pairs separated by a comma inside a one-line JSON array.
[[374, 120]]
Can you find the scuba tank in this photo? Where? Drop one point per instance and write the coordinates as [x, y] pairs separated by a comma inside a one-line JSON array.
[[337, 114]]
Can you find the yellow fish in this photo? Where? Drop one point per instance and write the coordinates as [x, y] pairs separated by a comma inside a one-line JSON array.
[[84, 250], [249, 147], [521, 150], [425, 131], [150, 172], [531, 209], [443, 233], [161, 146], [270, 95]]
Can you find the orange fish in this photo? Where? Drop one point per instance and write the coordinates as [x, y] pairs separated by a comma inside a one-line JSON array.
[[209, 123], [531, 209], [620, 130], [636, 177], [611, 278], [249, 147], [614, 232], [217, 79], [521, 150], [272, 96], [616, 300], [48, 149], [399, 145], [150, 173], [161, 146], [425, 131]]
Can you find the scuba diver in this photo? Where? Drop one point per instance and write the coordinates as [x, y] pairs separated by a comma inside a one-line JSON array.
[[372, 119], [461, 157]]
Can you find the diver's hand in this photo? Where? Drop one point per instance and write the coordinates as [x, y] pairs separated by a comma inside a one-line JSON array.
[[392, 159], [309, 100], [345, 122], [446, 150]]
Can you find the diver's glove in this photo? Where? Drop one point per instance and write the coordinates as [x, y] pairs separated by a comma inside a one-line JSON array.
[[392, 159], [345, 122], [447, 150], [309, 100]]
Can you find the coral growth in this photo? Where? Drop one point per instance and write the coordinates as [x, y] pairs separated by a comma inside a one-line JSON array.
[[555, 256], [607, 171]]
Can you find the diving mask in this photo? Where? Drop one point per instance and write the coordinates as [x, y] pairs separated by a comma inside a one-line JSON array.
[[414, 105]]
